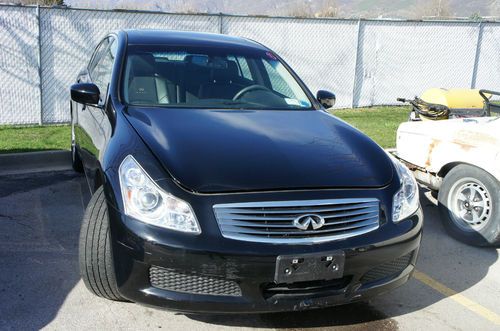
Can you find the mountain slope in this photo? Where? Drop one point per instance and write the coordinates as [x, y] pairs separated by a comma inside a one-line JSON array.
[[343, 8]]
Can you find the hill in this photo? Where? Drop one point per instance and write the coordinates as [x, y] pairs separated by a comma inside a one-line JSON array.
[[414, 9]]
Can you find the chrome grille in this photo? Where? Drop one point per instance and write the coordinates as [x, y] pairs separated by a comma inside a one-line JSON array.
[[273, 221]]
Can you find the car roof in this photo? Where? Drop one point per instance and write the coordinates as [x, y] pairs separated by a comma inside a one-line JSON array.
[[188, 38]]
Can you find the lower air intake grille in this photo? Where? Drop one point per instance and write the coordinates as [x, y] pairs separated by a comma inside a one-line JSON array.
[[387, 269], [312, 288], [172, 280]]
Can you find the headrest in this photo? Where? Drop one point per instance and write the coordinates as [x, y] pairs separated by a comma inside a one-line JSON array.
[[142, 65], [226, 75], [233, 68], [200, 60]]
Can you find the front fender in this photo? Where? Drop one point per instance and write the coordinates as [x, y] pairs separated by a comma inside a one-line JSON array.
[[437, 145], [125, 141]]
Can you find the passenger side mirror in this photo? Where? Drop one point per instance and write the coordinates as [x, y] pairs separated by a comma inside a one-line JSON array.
[[326, 99], [86, 93]]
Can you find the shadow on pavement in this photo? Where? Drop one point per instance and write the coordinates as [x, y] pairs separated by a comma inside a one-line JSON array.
[[39, 227], [356, 316], [456, 265], [446, 260]]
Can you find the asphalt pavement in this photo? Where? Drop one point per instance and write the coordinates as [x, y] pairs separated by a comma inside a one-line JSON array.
[[456, 287]]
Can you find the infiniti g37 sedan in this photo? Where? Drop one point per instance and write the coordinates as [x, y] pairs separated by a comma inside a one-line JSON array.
[[220, 184]]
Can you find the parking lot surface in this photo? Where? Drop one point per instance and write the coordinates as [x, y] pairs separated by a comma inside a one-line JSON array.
[[456, 287]]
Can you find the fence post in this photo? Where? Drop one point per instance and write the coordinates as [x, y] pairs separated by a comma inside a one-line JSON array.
[[476, 57], [220, 23], [39, 60], [356, 60]]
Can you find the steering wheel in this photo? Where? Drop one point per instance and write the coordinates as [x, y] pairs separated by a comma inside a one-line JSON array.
[[250, 88]]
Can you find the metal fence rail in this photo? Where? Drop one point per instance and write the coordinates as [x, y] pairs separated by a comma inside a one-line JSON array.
[[365, 62]]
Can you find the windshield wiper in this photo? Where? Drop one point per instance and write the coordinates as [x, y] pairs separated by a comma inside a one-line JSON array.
[[235, 103]]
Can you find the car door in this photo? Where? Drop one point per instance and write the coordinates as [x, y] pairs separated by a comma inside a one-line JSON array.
[[94, 126]]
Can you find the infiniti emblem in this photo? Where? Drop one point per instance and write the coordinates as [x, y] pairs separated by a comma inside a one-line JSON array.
[[305, 222]]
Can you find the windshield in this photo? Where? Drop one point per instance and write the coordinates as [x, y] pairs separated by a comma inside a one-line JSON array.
[[209, 78]]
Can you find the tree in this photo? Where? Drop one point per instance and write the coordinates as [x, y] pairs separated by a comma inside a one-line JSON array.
[[476, 17], [326, 8], [40, 2], [329, 9], [494, 8], [434, 8], [303, 10]]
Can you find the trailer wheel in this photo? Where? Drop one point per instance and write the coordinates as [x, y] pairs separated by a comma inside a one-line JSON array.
[[469, 204], [95, 255]]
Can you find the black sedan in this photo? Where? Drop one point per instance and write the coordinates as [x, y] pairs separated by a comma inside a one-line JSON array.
[[220, 184]]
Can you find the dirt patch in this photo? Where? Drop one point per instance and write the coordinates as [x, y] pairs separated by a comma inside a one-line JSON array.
[[432, 146]]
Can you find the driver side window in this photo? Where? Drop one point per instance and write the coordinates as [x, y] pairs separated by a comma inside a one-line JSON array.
[[101, 65]]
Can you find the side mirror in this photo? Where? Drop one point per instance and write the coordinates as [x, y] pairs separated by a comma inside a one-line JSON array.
[[86, 93], [326, 99]]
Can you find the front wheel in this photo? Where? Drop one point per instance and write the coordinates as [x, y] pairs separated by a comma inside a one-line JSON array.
[[469, 202], [95, 255]]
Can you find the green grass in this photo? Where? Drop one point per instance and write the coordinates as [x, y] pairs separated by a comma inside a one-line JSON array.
[[379, 123], [34, 138]]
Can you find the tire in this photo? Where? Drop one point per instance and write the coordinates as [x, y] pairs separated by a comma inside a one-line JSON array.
[[469, 204], [95, 255], [76, 162]]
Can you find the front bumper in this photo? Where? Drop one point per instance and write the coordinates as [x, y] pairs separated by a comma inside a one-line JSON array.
[[140, 258]]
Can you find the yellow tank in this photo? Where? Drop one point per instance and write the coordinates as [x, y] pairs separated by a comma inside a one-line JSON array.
[[454, 98]]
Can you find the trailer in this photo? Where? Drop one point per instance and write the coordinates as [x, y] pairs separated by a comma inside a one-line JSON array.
[[456, 153]]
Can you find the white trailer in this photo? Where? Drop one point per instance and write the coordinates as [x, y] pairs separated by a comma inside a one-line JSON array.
[[460, 159]]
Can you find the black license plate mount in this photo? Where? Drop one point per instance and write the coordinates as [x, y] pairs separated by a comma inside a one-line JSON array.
[[309, 267]]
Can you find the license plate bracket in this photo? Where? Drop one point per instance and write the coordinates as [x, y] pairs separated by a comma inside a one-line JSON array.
[[309, 267]]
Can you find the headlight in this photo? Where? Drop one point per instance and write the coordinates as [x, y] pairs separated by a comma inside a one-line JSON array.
[[148, 203], [405, 201]]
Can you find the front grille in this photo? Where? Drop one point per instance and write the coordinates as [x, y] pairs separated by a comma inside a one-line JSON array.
[[312, 288], [273, 221], [172, 280], [392, 268]]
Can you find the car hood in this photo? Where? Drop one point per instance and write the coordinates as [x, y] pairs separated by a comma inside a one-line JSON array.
[[213, 151]]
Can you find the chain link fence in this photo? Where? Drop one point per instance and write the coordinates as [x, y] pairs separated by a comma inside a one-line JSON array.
[[19, 65], [487, 74], [403, 59], [69, 36], [322, 52], [365, 62]]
